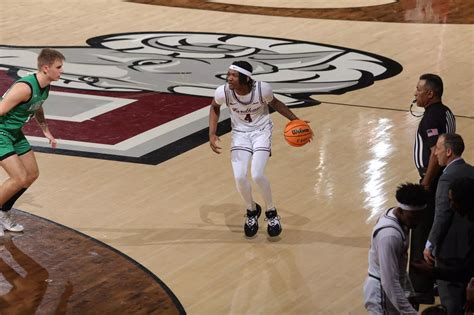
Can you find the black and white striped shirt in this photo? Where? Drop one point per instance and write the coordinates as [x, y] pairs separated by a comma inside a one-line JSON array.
[[438, 119]]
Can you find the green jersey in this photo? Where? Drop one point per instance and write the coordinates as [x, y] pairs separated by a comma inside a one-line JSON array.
[[17, 117]]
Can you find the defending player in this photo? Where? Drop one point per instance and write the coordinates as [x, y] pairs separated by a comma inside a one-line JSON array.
[[23, 100], [249, 102]]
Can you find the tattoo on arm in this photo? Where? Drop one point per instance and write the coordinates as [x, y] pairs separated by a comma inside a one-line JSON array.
[[39, 116]]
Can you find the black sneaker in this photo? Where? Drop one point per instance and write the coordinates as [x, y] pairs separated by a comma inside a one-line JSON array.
[[251, 221], [273, 220]]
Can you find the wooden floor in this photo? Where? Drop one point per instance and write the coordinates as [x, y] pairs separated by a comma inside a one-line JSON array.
[[55, 270], [182, 219]]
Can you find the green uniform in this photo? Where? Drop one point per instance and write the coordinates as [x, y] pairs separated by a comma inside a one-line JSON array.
[[12, 140]]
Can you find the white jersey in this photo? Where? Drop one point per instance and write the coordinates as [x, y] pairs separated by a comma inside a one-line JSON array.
[[247, 112], [387, 286]]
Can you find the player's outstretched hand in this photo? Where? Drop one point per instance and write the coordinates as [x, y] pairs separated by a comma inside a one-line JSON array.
[[51, 139], [53, 143], [213, 140]]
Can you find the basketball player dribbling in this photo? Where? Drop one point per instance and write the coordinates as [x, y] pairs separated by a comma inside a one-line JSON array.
[[249, 102], [22, 101]]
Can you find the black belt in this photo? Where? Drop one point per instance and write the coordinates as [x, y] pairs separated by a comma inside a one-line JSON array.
[[372, 276]]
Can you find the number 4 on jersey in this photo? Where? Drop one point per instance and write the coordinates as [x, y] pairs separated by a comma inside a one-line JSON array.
[[248, 118]]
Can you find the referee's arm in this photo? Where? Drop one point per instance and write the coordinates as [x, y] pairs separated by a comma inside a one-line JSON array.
[[432, 169]]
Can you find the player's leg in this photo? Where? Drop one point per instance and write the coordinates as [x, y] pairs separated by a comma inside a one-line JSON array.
[[17, 177], [259, 161], [16, 181], [240, 160], [261, 146], [29, 173], [12, 164], [241, 153], [29, 162], [262, 142]]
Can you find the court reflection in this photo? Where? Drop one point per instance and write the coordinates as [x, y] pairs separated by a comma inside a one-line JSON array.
[[380, 150], [26, 283], [428, 11]]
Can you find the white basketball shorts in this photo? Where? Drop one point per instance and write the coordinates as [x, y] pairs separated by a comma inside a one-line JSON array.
[[252, 141]]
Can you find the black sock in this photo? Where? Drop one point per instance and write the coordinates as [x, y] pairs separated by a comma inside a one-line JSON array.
[[7, 206]]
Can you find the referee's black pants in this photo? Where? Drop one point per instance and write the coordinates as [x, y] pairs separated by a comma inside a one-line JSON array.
[[422, 284]]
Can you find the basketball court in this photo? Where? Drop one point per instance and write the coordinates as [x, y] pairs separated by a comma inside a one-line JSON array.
[[134, 214]]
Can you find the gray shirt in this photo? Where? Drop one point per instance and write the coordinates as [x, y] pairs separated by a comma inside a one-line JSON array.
[[388, 256]]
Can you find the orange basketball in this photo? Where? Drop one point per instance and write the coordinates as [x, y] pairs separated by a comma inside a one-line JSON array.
[[298, 133]]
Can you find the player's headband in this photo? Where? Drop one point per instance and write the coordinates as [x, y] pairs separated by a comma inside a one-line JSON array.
[[240, 70], [410, 208]]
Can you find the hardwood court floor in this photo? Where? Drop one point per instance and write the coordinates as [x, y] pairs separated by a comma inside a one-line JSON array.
[[182, 219], [55, 270]]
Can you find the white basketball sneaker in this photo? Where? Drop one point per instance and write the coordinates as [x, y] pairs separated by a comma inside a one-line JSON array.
[[6, 219]]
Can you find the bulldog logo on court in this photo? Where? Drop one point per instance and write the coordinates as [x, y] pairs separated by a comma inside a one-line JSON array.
[[143, 97]]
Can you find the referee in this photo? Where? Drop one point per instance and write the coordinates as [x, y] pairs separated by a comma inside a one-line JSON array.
[[437, 119]]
